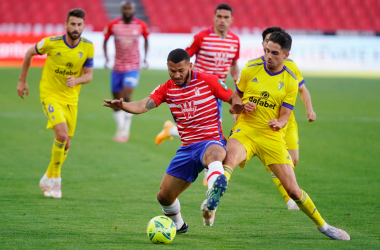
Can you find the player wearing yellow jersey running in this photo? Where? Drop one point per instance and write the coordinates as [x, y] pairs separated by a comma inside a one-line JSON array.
[[273, 88], [291, 135], [69, 64]]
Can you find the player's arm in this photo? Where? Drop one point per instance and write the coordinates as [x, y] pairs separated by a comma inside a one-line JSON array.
[[277, 124], [22, 85], [146, 46], [131, 107], [105, 52], [237, 105], [85, 78], [234, 70], [306, 99]]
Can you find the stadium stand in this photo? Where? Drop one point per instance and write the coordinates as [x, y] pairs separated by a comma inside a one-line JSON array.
[[47, 16], [326, 16]]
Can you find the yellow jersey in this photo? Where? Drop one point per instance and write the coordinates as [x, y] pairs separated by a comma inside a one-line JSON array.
[[269, 91], [62, 61], [290, 64]]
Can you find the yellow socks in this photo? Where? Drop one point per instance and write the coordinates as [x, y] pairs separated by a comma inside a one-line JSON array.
[[307, 206], [227, 172], [58, 156], [280, 188]]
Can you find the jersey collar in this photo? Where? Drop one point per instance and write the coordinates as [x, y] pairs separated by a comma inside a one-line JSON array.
[[71, 47], [273, 74]]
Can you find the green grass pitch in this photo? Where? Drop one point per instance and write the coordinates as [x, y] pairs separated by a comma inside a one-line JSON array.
[[109, 189]]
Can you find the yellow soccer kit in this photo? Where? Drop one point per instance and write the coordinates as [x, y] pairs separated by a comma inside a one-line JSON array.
[[291, 135], [59, 101], [269, 91]]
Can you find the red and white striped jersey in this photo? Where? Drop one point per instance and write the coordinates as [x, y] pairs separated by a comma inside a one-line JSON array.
[[126, 42], [214, 55], [194, 106]]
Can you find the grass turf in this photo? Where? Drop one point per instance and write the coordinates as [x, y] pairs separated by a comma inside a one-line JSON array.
[[109, 189]]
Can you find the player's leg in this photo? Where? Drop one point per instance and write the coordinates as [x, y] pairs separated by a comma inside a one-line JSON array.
[[171, 187], [287, 177], [119, 116], [236, 154], [130, 82], [291, 139], [169, 131]]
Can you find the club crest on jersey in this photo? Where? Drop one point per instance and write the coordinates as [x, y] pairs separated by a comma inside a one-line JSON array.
[[80, 55], [220, 58], [223, 85], [280, 85], [188, 109], [196, 91]]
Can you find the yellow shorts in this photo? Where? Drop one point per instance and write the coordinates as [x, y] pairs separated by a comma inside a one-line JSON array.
[[269, 147], [291, 136], [57, 113]]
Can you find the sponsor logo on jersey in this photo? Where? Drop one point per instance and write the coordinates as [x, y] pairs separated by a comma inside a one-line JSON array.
[[264, 95], [223, 85], [261, 102], [66, 72], [69, 65], [255, 80], [220, 58], [280, 85], [188, 109]]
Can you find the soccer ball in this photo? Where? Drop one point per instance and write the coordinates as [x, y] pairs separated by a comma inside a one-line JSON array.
[[161, 229]]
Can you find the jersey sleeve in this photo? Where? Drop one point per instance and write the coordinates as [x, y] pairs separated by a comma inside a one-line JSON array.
[[43, 46], [195, 46], [145, 30], [89, 63], [298, 74], [107, 31], [241, 82], [218, 88], [291, 95], [159, 94]]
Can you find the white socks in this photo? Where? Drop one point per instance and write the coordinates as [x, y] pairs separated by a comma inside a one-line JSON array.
[[173, 212], [123, 121], [119, 118], [214, 170], [173, 131]]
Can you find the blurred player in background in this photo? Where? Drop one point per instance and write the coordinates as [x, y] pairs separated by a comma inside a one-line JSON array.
[[291, 135], [69, 64], [126, 71], [273, 88], [191, 97], [217, 51]]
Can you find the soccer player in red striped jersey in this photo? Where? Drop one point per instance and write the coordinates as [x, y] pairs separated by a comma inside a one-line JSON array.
[[192, 99], [126, 71], [217, 51]]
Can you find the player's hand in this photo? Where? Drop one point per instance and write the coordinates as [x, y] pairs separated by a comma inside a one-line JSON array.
[[116, 104], [237, 108], [21, 87], [311, 115], [274, 125], [249, 107], [71, 81]]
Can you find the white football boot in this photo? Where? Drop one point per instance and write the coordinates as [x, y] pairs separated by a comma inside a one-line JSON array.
[[46, 185], [333, 232], [56, 189], [208, 215]]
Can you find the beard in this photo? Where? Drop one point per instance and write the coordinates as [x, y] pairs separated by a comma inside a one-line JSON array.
[[74, 35], [184, 81], [128, 18]]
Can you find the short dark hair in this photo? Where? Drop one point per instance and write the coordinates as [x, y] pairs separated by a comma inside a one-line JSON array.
[[283, 39], [178, 55], [271, 30], [223, 6], [77, 13]]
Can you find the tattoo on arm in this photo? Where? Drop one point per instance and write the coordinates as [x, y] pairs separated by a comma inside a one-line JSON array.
[[150, 104]]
